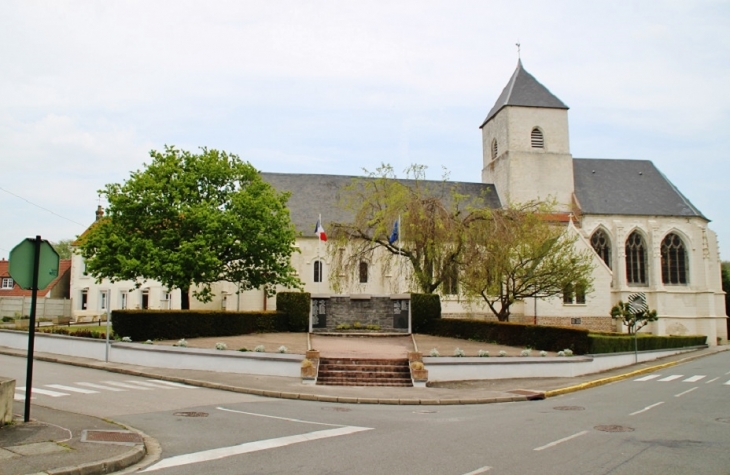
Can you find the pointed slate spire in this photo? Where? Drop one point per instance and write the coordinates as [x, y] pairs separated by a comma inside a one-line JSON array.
[[524, 90]]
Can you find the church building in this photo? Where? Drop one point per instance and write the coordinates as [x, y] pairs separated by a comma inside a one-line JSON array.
[[647, 239]]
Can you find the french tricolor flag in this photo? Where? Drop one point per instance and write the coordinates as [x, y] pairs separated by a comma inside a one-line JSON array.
[[319, 230]]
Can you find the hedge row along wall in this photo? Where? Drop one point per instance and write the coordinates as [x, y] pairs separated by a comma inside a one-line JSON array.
[[141, 325], [295, 307], [425, 309], [601, 343]]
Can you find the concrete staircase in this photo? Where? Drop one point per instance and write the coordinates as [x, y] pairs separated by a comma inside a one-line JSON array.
[[364, 372]]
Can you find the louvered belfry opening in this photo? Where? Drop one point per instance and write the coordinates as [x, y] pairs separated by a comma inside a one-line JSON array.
[[536, 138]]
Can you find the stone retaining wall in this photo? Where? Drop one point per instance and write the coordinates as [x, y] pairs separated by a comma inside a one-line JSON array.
[[389, 313]]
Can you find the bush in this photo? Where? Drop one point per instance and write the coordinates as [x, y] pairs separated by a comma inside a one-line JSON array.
[[513, 334], [296, 307], [425, 309], [141, 325], [617, 343]]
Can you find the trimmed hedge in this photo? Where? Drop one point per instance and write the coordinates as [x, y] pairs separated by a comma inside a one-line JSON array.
[[425, 309], [604, 343], [142, 325], [296, 307], [513, 334]]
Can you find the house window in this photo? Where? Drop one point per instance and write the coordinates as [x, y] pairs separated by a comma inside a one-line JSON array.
[[145, 299], [317, 271], [7, 283], [167, 300], [363, 272], [636, 259], [674, 260], [574, 294], [494, 148], [536, 138], [103, 300], [602, 246], [123, 302], [84, 299]]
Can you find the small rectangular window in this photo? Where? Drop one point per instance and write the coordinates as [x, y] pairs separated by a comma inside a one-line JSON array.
[[103, 300], [84, 299], [7, 283], [123, 300], [145, 299]]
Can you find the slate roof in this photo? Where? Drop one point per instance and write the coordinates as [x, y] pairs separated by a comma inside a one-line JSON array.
[[526, 91], [628, 187], [312, 195]]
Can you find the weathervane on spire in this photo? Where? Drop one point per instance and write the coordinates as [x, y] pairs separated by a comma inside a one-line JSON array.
[[518, 49]]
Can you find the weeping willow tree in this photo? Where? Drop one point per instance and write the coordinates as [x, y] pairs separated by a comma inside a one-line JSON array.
[[520, 252], [432, 218]]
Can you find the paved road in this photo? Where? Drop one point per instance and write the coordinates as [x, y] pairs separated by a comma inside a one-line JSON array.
[[673, 422]]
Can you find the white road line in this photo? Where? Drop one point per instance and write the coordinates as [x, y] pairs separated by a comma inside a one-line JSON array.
[[727, 373], [280, 418], [45, 392], [150, 385], [71, 388], [553, 444], [712, 380], [99, 386], [21, 397], [222, 452], [647, 378], [174, 385], [125, 385], [479, 470], [687, 391], [727, 383], [694, 379], [646, 408], [672, 377]]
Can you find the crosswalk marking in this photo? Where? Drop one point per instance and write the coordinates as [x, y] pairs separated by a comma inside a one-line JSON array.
[[694, 378], [99, 386], [672, 377], [711, 381], [125, 385], [21, 397], [174, 385], [727, 383], [45, 392], [71, 388], [150, 385], [648, 378]]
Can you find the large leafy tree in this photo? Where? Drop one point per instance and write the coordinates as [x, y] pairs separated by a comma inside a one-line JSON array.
[[190, 219], [432, 219], [521, 253], [63, 248]]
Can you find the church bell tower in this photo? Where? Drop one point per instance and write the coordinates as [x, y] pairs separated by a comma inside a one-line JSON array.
[[525, 144]]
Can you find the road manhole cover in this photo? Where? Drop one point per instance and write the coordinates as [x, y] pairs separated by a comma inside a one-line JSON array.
[[614, 428], [191, 414], [569, 408], [337, 409], [723, 419], [118, 437]]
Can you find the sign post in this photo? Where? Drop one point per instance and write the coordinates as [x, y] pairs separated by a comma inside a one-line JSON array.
[[33, 266]]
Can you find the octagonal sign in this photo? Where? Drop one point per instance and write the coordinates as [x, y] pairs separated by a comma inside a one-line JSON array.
[[21, 264]]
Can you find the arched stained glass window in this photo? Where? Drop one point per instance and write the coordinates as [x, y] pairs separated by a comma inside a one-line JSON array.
[[674, 260], [602, 246], [363, 272], [317, 271], [636, 260]]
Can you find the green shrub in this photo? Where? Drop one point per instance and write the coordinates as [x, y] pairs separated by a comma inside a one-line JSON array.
[[296, 306], [617, 343], [425, 309], [513, 334], [143, 325]]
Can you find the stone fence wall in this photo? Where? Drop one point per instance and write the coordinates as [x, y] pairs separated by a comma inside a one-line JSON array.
[[387, 313], [45, 307]]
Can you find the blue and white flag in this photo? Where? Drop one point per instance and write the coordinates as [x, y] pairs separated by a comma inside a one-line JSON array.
[[394, 235]]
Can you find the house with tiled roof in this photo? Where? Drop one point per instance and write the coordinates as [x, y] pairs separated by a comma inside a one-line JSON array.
[[54, 299], [647, 239]]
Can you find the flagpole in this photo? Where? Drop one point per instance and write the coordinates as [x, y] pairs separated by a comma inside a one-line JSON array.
[[400, 257]]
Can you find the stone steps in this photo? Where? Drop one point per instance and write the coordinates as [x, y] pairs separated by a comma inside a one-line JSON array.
[[364, 372]]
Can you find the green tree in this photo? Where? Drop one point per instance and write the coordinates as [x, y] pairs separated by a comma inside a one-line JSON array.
[[632, 316], [63, 248], [188, 220], [519, 253], [433, 216]]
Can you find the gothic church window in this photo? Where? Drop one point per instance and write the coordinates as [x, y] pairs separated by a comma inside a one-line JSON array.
[[494, 148], [636, 259], [602, 246], [674, 260], [317, 271], [536, 138], [574, 294], [363, 272]]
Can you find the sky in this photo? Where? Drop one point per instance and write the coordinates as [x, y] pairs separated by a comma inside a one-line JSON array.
[[88, 88]]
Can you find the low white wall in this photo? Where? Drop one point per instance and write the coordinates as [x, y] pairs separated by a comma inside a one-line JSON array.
[[271, 364], [468, 368], [56, 344]]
